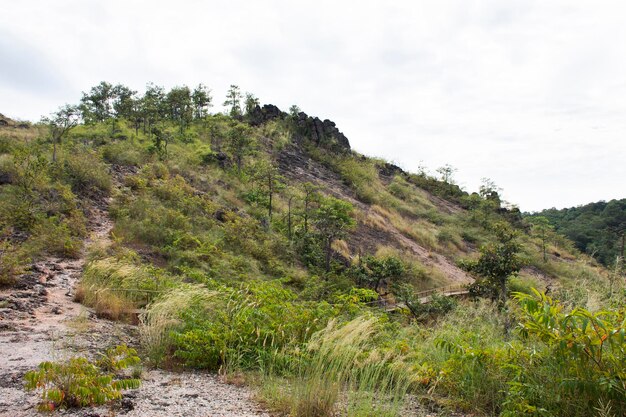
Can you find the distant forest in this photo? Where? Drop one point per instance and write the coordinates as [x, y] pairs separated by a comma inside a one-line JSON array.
[[596, 228]]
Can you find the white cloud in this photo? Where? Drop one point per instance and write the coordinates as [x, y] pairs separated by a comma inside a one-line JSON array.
[[529, 93]]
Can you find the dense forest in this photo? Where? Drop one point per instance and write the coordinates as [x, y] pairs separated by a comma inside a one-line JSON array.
[[256, 242], [597, 229]]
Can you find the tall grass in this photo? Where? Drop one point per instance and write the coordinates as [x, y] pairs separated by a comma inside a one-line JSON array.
[[342, 373]]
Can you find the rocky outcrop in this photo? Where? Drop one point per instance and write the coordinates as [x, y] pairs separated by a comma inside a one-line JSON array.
[[5, 121], [260, 115], [322, 133]]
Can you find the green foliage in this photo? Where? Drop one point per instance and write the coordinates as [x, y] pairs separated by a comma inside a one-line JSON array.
[[497, 262], [373, 271], [333, 218], [596, 228], [423, 309], [79, 382], [250, 325], [85, 172]]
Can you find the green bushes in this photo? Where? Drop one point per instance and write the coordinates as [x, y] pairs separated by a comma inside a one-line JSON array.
[[250, 325], [85, 172], [557, 363], [79, 382]]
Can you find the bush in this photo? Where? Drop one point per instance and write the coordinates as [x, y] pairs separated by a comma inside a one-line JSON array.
[[79, 382], [11, 263], [207, 328], [86, 173]]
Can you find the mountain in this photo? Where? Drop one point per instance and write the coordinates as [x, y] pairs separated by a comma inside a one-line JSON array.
[[596, 228], [260, 245]]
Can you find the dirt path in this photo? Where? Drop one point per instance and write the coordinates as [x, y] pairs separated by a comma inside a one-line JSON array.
[[39, 321]]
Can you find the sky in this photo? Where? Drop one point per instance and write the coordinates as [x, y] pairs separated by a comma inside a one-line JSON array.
[[530, 94]]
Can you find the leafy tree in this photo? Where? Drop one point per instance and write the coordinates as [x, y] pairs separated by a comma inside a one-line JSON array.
[[447, 173], [270, 180], [123, 101], [333, 219], [179, 105], [310, 196], [251, 102], [498, 261], [294, 111], [160, 141], [541, 226], [233, 100], [379, 270], [97, 105], [153, 106], [201, 98], [240, 143], [60, 123]]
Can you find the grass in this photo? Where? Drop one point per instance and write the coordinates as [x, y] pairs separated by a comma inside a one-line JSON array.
[[341, 373]]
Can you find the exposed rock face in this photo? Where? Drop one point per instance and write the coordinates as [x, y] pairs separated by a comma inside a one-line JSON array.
[[260, 115], [323, 133]]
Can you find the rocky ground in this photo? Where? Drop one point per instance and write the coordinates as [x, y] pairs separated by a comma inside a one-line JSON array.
[[39, 321]]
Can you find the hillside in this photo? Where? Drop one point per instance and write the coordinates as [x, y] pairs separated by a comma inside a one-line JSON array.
[[259, 245], [596, 229]]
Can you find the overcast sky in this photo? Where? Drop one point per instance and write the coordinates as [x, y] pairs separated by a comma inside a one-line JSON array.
[[531, 94]]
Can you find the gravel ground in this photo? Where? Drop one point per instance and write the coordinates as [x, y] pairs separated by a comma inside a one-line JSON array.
[[39, 321]]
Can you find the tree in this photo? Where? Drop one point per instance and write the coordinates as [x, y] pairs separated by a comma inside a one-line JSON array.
[[310, 196], [541, 226], [333, 219], [153, 106], [233, 100], [270, 180], [122, 101], [60, 123], [378, 270], [498, 261], [294, 110], [240, 143], [201, 98], [179, 106], [97, 105], [251, 102], [447, 172]]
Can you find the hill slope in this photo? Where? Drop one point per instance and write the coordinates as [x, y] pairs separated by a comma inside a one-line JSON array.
[[595, 228], [260, 242]]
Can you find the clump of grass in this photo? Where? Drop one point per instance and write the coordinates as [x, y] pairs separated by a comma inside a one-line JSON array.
[[164, 315], [116, 288], [343, 373]]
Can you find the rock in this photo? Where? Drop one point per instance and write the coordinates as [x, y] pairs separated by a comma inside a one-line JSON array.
[[56, 310], [390, 170], [322, 133], [260, 115]]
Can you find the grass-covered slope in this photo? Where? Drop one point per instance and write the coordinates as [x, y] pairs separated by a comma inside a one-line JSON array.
[[260, 242]]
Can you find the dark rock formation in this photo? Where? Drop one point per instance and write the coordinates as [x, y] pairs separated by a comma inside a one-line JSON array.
[[322, 133], [390, 170], [260, 115]]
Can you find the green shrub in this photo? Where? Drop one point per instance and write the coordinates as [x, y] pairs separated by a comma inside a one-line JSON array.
[[123, 153], [84, 171], [79, 382], [206, 328], [11, 263]]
